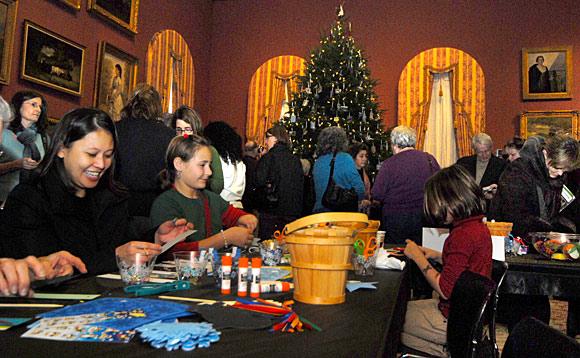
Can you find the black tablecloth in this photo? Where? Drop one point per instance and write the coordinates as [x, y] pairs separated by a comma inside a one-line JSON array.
[[367, 325], [534, 274]]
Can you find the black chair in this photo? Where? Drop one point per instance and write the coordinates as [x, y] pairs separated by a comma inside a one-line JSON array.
[[532, 338], [499, 270], [472, 294]]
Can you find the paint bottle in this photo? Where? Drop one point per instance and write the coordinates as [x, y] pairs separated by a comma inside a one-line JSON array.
[[226, 275], [275, 286], [256, 269], [243, 276]]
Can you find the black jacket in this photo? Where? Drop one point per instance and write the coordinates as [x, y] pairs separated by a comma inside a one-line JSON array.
[[43, 217], [284, 169], [492, 173]]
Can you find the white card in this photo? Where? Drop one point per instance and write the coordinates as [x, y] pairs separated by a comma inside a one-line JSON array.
[[434, 238], [179, 238]]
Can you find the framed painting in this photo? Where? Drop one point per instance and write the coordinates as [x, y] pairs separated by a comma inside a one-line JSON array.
[[547, 73], [51, 60], [123, 13], [115, 80], [7, 22], [544, 123], [75, 4]]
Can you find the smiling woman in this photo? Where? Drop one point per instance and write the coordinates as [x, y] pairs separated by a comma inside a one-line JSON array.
[[75, 204]]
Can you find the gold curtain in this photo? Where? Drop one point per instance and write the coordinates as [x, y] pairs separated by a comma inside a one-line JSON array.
[[468, 92], [169, 63], [266, 93]]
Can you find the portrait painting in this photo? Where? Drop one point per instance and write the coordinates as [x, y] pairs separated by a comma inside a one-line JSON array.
[[7, 21], [547, 73], [51, 60], [545, 123], [115, 80], [123, 13]]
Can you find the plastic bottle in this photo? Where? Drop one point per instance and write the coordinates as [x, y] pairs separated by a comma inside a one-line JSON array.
[[275, 286], [256, 269], [226, 275], [243, 276]]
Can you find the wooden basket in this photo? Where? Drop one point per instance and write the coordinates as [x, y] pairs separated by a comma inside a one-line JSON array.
[[321, 247], [499, 228]]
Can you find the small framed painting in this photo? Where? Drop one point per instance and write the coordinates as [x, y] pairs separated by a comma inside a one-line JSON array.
[[75, 4], [115, 80], [547, 73], [544, 123], [51, 60], [123, 13]]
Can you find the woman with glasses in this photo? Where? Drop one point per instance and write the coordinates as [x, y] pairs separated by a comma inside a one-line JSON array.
[[186, 121]]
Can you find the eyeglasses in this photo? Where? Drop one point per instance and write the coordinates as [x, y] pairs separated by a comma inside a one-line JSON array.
[[181, 131]]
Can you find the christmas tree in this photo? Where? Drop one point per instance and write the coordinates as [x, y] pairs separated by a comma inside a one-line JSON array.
[[336, 90]]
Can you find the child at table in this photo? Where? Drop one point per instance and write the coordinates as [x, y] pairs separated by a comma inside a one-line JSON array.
[[451, 197], [187, 171]]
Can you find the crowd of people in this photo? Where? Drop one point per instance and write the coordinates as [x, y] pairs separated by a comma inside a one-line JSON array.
[[97, 189]]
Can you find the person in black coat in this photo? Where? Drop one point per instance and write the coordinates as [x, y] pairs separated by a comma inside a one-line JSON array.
[[283, 169], [143, 140], [76, 205], [483, 166]]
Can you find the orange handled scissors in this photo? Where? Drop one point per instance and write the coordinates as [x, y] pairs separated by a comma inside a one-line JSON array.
[[367, 249]]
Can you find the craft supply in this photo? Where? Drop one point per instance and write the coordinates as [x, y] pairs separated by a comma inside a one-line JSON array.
[[136, 268], [225, 276], [186, 336], [181, 237], [8, 322], [255, 286], [380, 238], [190, 265], [30, 305], [156, 288], [271, 252], [243, 277], [356, 285], [112, 276], [275, 286], [63, 296]]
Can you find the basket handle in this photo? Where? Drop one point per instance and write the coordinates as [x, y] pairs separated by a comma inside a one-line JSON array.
[[359, 220]]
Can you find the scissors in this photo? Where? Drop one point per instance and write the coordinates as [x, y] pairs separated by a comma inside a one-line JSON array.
[[365, 249], [146, 289], [279, 236]]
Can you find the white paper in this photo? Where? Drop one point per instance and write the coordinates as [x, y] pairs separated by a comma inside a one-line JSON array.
[[179, 238], [434, 238]]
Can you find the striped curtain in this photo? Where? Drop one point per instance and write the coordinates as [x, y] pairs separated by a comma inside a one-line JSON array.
[[169, 64], [266, 93], [468, 93]]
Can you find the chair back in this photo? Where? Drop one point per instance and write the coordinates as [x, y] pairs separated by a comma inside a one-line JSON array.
[[499, 270], [532, 338], [471, 295]]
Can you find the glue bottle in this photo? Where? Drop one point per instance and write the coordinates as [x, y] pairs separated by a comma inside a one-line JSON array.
[[275, 286], [243, 277], [226, 275], [256, 268]]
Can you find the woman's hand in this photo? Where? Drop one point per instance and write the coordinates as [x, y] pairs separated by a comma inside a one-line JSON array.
[[249, 221], [239, 236], [15, 276], [412, 250], [62, 263], [28, 163], [364, 204], [170, 229], [127, 251]]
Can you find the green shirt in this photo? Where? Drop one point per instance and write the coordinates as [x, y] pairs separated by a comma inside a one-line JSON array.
[[171, 204]]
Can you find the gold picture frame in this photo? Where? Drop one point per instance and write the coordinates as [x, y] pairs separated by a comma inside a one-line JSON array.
[[546, 122], [118, 12], [116, 77], [8, 9], [52, 60], [547, 73], [75, 4]]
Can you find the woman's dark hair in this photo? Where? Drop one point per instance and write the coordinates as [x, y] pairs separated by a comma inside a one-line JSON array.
[[119, 68], [145, 103], [17, 100], [280, 133], [226, 141], [516, 143], [540, 57], [183, 147], [356, 148], [74, 126], [190, 116], [455, 191], [332, 139]]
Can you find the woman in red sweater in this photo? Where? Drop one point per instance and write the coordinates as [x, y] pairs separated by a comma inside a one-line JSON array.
[[451, 197]]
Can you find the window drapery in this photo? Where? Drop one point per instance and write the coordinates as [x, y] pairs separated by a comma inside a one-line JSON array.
[[267, 93], [468, 94]]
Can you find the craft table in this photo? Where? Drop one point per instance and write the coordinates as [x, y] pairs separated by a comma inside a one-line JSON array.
[[367, 325]]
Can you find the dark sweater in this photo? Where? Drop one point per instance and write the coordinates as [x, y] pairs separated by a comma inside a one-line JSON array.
[[493, 171]]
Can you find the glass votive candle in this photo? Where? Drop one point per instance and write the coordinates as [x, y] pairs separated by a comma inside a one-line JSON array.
[[135, 269], [271, 252], [364, 266], [190, 265]]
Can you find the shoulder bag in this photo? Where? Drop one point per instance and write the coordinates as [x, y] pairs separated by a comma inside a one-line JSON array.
[[337, 198]]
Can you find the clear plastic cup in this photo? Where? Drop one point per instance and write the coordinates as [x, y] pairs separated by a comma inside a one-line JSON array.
[[190, 265], [136, 269], [271, 253], [363, 266]]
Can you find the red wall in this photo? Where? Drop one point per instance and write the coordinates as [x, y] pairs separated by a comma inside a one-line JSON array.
[[248, 33], [192, 19]]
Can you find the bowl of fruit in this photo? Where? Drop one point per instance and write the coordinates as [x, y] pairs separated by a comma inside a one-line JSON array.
[[556, 245]]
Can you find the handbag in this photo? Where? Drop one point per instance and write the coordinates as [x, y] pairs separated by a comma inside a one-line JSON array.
[[337, 198], [266, 196]]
